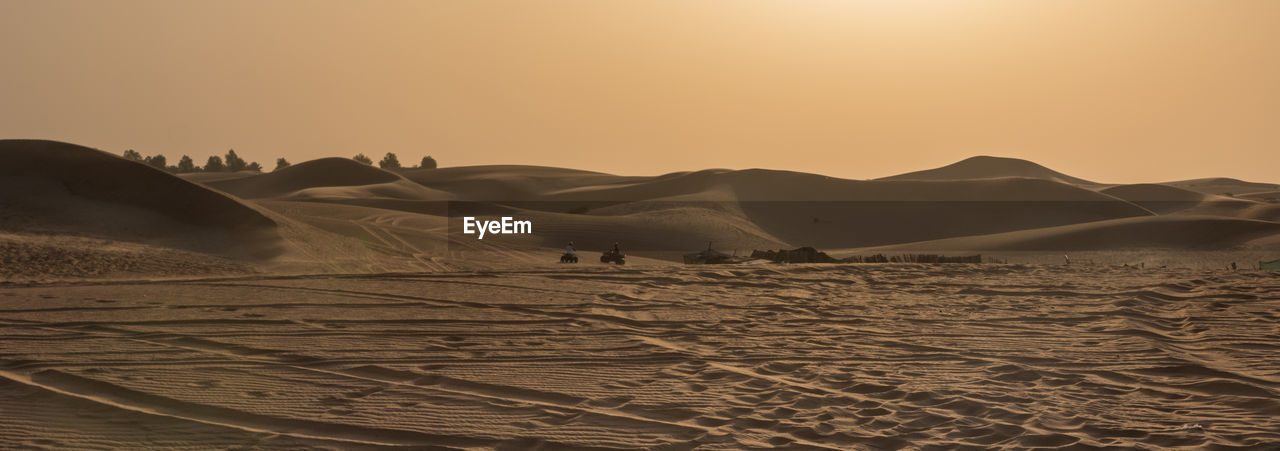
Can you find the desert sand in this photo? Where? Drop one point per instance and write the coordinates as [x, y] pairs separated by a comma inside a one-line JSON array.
[[333, 304], [801, 356]]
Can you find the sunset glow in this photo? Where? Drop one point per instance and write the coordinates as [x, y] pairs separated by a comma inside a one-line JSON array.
[[849, 88]]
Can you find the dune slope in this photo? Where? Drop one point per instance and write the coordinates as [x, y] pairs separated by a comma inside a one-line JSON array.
[[1222, 185], [985, 167], [509, 182], [1167, 232], [1155, 197], [55, 188], [813, 210], [54, 168], [327, 178]]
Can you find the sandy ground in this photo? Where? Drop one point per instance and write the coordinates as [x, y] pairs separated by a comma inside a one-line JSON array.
[[800, 356]]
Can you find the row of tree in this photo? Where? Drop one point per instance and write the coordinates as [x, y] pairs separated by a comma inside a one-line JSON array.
[[233, 162], [391, 161]]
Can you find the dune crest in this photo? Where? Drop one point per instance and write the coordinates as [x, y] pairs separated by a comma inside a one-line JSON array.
[[985, 167]]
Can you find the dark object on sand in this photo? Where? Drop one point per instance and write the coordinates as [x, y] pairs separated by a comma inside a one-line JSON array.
[[568, 258], [613, 257], [914, 258], [802, 255], [711, 257], [1273, 265]]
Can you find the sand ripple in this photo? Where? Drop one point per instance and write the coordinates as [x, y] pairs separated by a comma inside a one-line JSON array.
[[822, 357]]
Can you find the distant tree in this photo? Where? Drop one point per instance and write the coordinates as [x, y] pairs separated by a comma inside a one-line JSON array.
[[428, 162], [186, 165], [363, 159], [157, 161], [281, 163], [254, 166], [214, 164], [133, 155], [234, 162], [389, 162]]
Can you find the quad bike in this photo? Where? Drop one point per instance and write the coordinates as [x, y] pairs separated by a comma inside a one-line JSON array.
[[613, 257], [568, 258]]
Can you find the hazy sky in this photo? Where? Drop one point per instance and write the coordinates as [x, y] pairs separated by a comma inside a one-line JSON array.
[[1109, 90]]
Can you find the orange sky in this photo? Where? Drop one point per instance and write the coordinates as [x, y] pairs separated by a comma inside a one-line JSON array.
[[1109, 90]]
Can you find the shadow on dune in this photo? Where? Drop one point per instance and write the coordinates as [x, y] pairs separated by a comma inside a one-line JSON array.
[[58, 188]]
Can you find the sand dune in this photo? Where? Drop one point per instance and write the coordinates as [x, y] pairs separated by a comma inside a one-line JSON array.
[[1222, 185], [1185, 232], [508, 182], [58, 189], [985, 167], [783, 186], [328, 178], [732, 209], [670, 230], [338, 181], [762, 208], [1263, 212], [53, 169], [808, 209], [1164, 199], [1152, 193], [1262, 196], [335, 214], [209, 177]]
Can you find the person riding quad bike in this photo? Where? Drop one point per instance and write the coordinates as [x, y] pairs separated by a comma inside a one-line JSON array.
[[613, 256], [569, 255]]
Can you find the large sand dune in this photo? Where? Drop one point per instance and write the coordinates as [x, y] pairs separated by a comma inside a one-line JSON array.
[[78, 211], [59, 172]]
